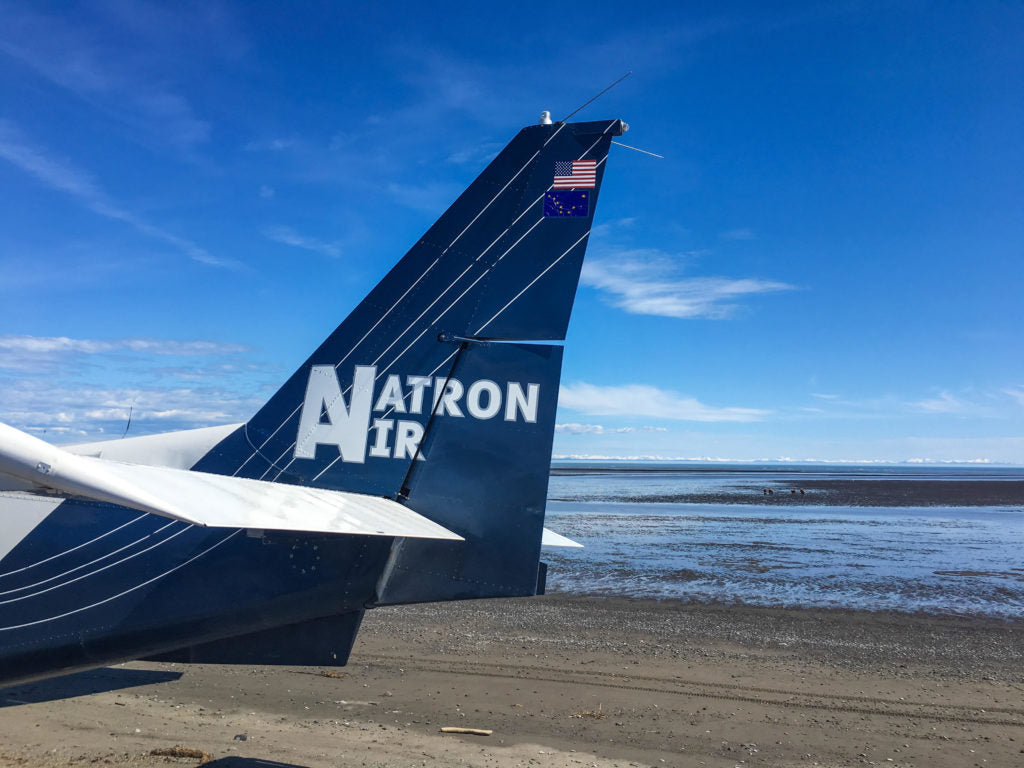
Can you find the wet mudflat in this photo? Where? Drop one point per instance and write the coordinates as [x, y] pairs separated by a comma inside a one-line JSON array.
[[854, 493], [940, 540]]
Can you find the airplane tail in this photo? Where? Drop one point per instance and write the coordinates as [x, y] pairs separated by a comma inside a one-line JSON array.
[[420, 431], [439, 390]]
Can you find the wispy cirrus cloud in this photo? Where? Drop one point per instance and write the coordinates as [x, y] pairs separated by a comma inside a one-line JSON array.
[[740, 233], [944, 402], [270, 145], [1016, 394], [432, 197], [971, 402], [41, 353], [77, 184], [611, 228], [648, 401], [122, 59], [288, 236], [474, 154], [647, 282], [60, 344]]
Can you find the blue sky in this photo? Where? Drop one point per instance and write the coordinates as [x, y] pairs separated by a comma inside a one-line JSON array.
[[826, 265]]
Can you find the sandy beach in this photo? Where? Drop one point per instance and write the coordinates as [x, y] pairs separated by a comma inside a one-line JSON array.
[[563, 681]]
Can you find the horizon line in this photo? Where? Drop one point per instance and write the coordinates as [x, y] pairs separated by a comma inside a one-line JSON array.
[[785, 460]]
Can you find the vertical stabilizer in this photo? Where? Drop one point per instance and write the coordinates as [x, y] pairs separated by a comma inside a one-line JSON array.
[[434, 390]]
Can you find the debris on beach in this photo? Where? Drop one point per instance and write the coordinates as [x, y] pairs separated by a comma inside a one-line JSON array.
[[189, 752], [469, 731]]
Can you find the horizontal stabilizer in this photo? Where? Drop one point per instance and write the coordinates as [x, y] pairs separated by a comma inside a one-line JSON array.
[[551, 539], [205, 499], [235, 502]]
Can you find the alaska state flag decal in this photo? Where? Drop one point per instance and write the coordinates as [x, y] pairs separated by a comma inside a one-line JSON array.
[[567, 202]]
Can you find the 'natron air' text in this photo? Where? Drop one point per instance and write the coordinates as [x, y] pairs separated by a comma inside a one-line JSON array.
[[326, 418]]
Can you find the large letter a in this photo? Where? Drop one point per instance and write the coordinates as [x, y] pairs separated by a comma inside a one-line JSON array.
[[346, 425]]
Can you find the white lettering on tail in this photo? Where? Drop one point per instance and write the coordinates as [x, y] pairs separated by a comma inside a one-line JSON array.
[[346, 426], [327, 419]]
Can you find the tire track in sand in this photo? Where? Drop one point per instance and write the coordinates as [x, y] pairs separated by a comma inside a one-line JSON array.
[[780, 697]]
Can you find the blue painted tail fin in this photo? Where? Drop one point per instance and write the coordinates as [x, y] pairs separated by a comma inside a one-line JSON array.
[[433, 391], [438, 391]]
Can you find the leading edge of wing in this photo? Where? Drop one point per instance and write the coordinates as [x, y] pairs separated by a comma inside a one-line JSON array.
[[234, 502]]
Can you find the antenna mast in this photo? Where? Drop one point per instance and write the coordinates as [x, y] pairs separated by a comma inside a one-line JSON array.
[[602, 93]]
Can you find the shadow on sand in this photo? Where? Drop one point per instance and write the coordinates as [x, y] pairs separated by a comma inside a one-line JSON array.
[[247, 762], [82, 684]]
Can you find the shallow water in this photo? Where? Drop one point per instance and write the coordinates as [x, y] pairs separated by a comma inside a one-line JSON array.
[[949, 560]]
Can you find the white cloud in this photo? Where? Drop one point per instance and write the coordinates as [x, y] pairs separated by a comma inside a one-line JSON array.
[[73, 387], [39, 355], [642, 400], [61, 344], [288, 236], [75, 183], [64, 386], [193, 414], [597, 429], [643, 282], [81, 411]]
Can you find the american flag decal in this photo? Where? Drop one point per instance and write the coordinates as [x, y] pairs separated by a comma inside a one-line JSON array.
[[577, 174]]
